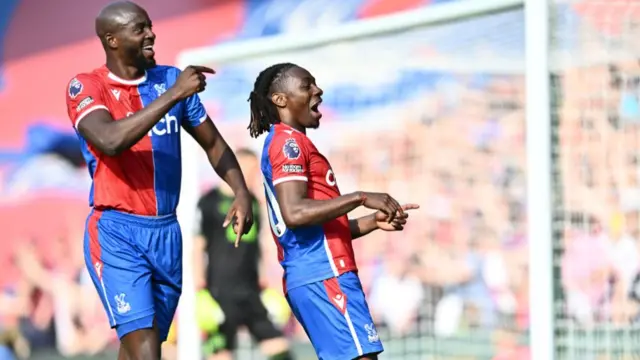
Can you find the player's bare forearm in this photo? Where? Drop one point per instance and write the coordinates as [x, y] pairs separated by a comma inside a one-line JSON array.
[[298, 210], [362, 226], [226, 165], [113, 137], [315, 212], [220, 155]]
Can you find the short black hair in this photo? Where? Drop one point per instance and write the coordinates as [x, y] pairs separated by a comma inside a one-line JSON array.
[[263, 110], [109, 19]]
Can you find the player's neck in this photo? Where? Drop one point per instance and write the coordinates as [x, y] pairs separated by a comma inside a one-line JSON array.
[[123, 71], [295, 126]]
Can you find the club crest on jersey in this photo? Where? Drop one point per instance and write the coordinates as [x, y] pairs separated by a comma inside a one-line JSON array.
[[160, 88], [75, 88], [291, 149]]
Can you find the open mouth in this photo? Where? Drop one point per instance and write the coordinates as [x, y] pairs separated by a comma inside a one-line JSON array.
[[314, 109], [148, 50]]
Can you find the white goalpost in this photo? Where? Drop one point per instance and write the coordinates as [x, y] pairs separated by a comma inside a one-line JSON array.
[[539, 194], [320, 48]]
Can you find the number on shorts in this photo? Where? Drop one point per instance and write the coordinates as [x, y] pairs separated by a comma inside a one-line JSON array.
[[273, 209]]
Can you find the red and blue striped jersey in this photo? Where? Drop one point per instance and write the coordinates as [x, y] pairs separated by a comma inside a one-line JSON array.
[[145, 179], [311, 253]]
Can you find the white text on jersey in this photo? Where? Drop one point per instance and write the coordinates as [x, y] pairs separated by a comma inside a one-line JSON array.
[[166, 126]]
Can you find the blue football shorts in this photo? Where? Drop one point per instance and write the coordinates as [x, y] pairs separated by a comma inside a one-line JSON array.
[[336, 317], [135, 263]]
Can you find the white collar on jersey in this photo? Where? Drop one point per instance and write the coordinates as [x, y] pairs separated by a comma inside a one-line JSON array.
[[113, 77], [289, 129]]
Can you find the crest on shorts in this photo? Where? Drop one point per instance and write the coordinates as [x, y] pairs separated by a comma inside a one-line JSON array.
[[372, 334], [122, 306], [75, 88], [291, 149]]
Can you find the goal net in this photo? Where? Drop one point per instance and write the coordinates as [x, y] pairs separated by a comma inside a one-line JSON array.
[[428, 106], [595, 85]]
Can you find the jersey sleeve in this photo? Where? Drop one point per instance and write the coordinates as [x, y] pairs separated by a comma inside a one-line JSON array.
[[84, 95], [289, 159], [195, 114]]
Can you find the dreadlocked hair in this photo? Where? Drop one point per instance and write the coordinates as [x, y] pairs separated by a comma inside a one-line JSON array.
[[263, 110]]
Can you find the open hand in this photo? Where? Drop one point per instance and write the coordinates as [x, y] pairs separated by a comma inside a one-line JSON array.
[[398, 222], [241, 213]]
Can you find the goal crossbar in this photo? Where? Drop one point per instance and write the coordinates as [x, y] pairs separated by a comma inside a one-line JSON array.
[[398, 22]]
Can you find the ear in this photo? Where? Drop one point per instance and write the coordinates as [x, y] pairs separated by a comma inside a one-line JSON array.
[[279, 99], [111, 41]]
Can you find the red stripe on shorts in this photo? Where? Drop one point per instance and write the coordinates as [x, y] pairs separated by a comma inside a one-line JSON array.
[[94, 243], [336, 296]]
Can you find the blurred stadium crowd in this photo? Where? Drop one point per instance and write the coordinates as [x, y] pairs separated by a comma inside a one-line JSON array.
[[455, 283]]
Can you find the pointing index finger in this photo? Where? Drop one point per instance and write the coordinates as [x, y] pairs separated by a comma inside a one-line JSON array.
[[240, 231], [203, 69], [410, 206]]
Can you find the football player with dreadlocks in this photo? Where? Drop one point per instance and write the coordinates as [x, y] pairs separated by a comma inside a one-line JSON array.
[[308, 217]]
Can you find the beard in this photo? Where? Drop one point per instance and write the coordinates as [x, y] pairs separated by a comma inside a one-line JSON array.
[[139, 60]]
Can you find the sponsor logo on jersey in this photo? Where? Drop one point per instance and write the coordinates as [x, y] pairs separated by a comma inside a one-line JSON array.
[[166, 126], [330, 178]]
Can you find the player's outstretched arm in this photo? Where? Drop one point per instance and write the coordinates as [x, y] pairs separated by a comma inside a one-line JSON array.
[[298, 210], [289, 159], [220, 155], [112, 137], [364, 225], [225, 164]]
